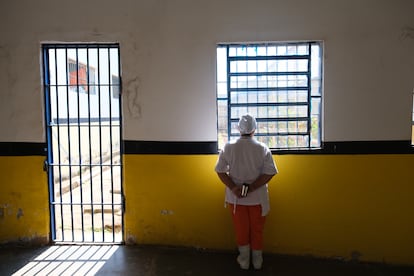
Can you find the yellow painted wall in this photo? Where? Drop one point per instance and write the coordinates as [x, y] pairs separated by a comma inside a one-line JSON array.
[[24, 210], [349, 206], [175, 200]]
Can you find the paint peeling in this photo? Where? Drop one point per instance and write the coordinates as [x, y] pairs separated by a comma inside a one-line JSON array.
[[167, 212], [19, 213], [131, 239], [407, 32], [134, 107]]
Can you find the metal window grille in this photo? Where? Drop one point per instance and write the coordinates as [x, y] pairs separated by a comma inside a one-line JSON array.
[[84, 164], [278, 83]]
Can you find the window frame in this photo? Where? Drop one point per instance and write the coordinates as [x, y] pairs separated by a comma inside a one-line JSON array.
[[225, 91], [412, 122]]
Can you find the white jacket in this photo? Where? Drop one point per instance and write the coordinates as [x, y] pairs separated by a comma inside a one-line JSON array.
[[245, 160]]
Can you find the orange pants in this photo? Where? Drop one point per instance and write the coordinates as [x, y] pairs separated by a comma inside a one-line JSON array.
[[248, 225]]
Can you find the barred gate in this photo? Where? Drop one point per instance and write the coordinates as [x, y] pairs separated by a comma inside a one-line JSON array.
[[82, 85]]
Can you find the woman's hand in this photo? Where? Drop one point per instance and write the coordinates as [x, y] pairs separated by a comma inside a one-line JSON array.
[[237, 189]]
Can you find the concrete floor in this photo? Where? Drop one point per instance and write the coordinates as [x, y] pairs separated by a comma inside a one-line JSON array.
[[154, 261]]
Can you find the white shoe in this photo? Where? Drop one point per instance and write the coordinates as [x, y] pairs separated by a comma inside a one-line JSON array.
[[244, 257], [257, 259]]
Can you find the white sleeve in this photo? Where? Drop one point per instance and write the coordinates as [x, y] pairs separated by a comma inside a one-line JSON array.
[[269, 166]]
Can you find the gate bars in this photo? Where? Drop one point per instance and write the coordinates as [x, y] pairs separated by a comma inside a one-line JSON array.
[[82, 85]]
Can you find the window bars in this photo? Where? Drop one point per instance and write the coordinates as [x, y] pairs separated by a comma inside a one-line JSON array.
[[278, 83]]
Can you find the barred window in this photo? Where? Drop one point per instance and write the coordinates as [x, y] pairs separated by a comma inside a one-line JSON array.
[[278, 83]]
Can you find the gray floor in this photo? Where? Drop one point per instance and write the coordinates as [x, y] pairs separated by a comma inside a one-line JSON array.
[[135, 260]]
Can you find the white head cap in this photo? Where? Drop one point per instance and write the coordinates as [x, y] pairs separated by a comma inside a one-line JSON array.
[[247, 124]]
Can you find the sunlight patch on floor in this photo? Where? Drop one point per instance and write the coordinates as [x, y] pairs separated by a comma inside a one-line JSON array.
[[69, 260]]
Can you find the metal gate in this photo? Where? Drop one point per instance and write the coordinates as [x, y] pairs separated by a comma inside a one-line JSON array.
[[82, 85]]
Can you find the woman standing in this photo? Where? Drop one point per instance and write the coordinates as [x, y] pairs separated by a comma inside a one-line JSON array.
[[245, 166]]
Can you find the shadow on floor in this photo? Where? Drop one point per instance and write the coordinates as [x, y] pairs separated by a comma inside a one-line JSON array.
[[160, 261]]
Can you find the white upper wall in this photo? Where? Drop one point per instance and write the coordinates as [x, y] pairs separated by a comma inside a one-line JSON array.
[[168, 50]]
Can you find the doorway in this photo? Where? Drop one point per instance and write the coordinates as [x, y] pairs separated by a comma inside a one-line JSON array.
[[82, 85]]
